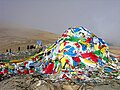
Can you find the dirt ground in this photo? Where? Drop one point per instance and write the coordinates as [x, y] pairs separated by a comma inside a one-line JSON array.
[[29, 83]]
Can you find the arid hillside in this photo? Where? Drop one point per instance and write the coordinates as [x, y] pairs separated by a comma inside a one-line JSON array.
[[14, 37], [115, 49]]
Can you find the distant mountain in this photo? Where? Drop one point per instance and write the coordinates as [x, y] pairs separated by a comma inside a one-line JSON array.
[[115, 49], [12, 37]]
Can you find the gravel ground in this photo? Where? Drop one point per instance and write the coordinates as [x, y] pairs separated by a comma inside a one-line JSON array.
[[30, 83]]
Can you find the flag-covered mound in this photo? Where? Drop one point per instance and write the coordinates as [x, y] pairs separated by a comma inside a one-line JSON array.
[[80, 55], [76, 55]]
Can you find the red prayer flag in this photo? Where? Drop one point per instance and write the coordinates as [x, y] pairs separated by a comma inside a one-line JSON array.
[[49, 69], [77, 59]]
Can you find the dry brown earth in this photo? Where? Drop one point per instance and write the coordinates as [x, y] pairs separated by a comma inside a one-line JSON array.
[[14, 37]]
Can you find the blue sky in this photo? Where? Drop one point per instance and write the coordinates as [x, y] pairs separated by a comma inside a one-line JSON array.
[[99, 16]]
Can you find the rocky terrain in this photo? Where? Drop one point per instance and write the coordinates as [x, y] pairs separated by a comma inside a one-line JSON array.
[[33, 83]]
